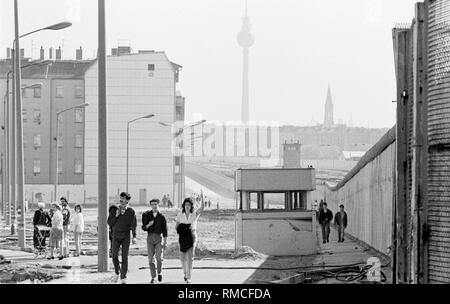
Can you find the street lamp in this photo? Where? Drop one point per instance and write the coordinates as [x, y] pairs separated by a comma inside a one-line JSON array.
[[181, 163], [56, 140], [18, 114], [128, 139]]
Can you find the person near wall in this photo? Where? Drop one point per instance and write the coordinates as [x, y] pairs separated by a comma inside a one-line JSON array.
[[186, 227], [340, 220], [65, 210], [154, 222], [122, 223], [78, 229], [325, 217], [56, 233], [40, 218]]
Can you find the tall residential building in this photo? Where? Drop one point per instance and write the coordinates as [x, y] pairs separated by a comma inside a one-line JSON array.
[[137, 84], [62, 87]]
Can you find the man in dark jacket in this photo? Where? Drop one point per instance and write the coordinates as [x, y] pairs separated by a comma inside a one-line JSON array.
[[41, 218], [325, 217], [112, 212], [340, 220], [155, 224], [121, 224]]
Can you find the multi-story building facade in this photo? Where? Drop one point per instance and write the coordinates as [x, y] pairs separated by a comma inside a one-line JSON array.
[[138, 84], [62, 87]]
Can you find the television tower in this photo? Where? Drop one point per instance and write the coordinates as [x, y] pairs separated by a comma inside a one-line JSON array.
[[245, 40]]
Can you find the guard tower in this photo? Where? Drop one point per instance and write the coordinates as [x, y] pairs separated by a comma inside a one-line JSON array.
[[286, 227], [291, 155]]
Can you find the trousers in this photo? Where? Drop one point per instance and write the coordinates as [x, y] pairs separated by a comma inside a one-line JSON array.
[[121, 240], [325, 231], [154, 248]]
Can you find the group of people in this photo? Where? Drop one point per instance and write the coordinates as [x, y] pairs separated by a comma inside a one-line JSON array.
[[61, 224], [122, 222], [325, 216], [166, 201]]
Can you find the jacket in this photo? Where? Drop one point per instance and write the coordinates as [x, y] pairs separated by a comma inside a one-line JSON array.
[[78, 222], [325, 217], [340, 222], [124, 222], [186, 240], [42, 218], [159, 226]]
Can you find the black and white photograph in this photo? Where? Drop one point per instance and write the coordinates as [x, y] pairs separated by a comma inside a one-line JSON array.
[[244, 143]]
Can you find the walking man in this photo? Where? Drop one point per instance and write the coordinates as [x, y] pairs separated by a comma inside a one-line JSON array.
[[154, 222], [340, 219], [121, 224], [325, 217]]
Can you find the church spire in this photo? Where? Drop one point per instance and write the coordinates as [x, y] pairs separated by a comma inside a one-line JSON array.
[[329, 117]]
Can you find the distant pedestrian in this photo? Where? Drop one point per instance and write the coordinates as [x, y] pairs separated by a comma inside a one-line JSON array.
[[169, 201], [340, 220], [217, 205], [65, 210], [78, 229], [56, 234], [164, 201], [122, 223], [186, 227], [320, 208], [154, 222], [325, 217]]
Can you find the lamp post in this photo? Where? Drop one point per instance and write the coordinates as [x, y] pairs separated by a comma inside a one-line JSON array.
[[18, 114], [180, 132], [7, 128], [128, 139], [56, 140]]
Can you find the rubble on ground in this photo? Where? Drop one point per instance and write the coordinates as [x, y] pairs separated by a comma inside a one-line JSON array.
[[246, 252], [14, 273], [201, 250]]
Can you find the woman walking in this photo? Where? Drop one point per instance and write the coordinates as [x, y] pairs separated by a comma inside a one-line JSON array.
[[56, 234], [78, 229], [186, 226]]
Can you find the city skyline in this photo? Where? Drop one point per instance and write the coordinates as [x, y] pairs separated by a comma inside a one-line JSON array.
[[284, 74]]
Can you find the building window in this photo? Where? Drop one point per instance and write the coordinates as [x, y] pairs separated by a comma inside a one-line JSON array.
[[60, 166], [78, 141], [78, 115], [36, 166], [79, 92], [37, 92], [151, 70], [59, 92], [24, 115], [37, 116], [60, 141], [78, 166], [37, 140]]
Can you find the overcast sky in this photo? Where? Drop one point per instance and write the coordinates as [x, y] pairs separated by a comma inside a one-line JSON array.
[[301, 47]]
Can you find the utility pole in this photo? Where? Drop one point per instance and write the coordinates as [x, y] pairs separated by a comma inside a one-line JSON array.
[[102, 265], [19, 121], [12, 146]]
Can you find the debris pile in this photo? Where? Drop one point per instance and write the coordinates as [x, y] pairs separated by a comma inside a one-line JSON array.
[[246, 252], [33, 272]]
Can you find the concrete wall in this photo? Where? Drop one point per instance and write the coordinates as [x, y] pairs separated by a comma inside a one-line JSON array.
[[277, 233], [368, 198]]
